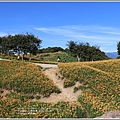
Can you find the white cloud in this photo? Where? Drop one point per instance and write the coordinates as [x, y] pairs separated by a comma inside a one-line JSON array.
[[103, 36]]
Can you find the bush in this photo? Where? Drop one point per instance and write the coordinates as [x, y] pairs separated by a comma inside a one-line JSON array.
[[68, 83], [38, 97], [1, 91]]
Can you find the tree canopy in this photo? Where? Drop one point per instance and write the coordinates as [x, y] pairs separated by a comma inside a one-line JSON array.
[[118, 48], [51, 49], [20, 43], [85, 52]]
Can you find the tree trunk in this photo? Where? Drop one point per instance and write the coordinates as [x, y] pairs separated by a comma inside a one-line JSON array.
[[22, 56], [78, 58], [30, 57], [8, 53]]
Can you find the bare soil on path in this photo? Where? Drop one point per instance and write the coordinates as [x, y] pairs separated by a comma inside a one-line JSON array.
[[67, 94]]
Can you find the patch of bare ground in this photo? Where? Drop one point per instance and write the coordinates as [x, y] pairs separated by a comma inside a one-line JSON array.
[[111, 114], [66, 94], [3, 94]]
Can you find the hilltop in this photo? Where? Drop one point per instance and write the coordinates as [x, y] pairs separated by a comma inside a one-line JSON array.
[[53, 56]]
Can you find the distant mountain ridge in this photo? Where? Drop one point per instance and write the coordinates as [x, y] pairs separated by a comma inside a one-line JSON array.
[[112, 54]]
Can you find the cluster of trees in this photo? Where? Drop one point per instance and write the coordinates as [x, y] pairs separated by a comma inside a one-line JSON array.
[[85, 52], [20, 44], [28, 43]]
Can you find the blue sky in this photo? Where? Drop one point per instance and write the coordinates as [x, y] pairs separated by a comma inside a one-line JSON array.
[[55, 23]]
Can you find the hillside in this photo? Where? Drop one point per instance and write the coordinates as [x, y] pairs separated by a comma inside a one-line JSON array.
[[51, 57], [26, 78], [54, 56], [74, 90], [23, 86], [100, 84]]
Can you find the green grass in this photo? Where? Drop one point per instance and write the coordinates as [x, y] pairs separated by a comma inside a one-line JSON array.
[[48, 58], [53, 57], [12, 57]]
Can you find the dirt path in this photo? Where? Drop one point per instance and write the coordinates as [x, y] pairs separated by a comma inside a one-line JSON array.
[[46, 65], [66, 93], [4, 59]]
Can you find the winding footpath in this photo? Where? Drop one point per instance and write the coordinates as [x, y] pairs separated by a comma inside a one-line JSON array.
[[52, 72]]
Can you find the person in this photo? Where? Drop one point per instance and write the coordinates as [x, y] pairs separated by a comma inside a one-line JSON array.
[[64, 60], [58, 59], [18, 57]]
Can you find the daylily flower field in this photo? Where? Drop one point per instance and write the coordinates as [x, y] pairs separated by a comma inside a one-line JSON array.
[[25, 78], [26, 82], [100, 84]]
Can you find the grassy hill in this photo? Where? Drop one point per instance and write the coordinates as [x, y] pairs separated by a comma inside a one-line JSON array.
[[53, 57], [100, 83], [45, 57]]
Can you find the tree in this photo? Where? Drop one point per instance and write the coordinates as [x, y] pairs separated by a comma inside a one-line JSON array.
[[27, 44], [85, 52], [1, 45], [72, 46], [77, 50], [118, 48], [20, 43], [5, 46], [33, 44]]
